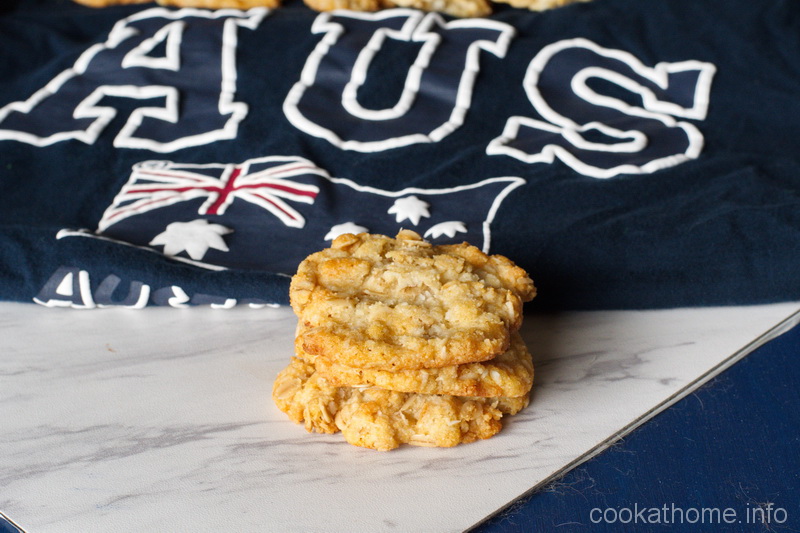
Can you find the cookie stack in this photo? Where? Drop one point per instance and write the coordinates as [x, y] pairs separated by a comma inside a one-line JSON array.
[[400, 341]]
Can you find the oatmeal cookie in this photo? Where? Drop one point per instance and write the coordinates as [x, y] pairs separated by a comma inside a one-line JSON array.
[[220, 4], [383, 420], [374, 302], [539, 5], [353, 5], [106, 3], [508, 374], [455, 8]]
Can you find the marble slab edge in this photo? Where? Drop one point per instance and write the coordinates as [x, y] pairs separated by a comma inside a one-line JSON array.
[[779, 329]]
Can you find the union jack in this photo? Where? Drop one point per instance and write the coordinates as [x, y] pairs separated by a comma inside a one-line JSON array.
[[263, 182]]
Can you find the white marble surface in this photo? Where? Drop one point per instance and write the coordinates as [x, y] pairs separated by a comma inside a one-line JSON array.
[[161, 420]]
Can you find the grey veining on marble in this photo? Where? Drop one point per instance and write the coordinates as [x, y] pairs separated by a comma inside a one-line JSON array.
[[161, 420]]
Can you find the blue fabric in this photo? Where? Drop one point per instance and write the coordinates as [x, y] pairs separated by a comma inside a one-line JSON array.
[[7, 526], [732, 445], [665, 175]]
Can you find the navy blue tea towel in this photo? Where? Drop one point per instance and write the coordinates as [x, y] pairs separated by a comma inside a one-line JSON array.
[[627, 154]]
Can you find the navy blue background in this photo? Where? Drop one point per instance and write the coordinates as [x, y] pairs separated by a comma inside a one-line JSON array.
[[734, 443], [722, 229]]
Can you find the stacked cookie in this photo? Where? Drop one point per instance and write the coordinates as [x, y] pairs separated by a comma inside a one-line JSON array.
[[400, 341]]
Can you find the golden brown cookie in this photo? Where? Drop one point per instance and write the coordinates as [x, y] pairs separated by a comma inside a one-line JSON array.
[[374, 302], [220, 4], [539, 5], [305, 396], [508, 374], [106, 3], [383, 420], [456, 8], [353, 5]]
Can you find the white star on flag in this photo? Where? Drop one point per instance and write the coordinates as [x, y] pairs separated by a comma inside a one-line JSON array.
[[194, 238], [409, 208], [341, 229], [449, 228]]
